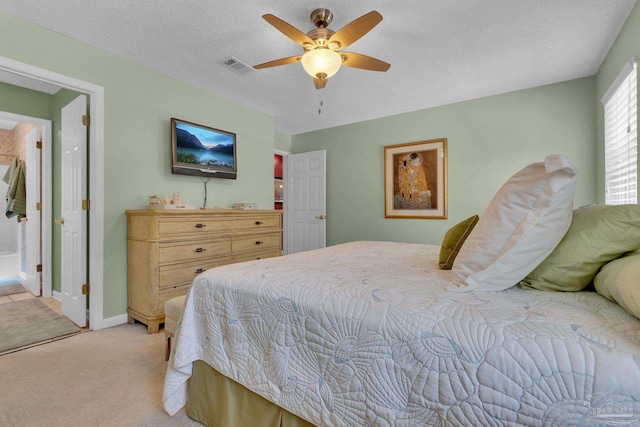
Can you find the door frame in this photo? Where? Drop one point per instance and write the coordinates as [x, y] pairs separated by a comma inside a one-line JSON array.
[[96, 178], [284, 155], [46, 184]]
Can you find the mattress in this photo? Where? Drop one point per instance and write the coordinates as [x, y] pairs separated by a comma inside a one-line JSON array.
[[365, 333]]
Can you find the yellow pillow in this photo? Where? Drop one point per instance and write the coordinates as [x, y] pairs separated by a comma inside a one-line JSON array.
[[619, 281], [453, 240]]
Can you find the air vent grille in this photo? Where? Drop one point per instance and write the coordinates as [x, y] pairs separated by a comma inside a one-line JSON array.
[[237, 66]]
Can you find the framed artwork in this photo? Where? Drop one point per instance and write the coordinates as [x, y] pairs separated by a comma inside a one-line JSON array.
[[415, 180]]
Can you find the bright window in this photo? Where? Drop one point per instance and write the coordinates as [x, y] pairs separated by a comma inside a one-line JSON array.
[[621, 137]]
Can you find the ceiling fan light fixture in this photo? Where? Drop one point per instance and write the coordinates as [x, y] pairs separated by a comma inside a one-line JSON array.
[[321, 62], [323, 54]]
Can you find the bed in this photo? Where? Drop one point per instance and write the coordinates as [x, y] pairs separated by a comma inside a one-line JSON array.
[[365, 333], [383, 334]]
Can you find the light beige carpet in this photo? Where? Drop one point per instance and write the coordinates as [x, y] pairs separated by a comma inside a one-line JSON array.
[[111, 377], [30, 321]]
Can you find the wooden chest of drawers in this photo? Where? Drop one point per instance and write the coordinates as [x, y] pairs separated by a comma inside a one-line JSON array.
[[167, 249]]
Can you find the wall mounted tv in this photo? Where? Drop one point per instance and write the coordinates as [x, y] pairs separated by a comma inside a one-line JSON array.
[[202, 151]]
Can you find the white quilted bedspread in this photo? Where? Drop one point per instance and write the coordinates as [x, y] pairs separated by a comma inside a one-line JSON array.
[[364, 334]]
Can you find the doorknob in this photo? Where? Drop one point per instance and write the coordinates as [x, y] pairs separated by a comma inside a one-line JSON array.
[[321, 217], [59, 221]]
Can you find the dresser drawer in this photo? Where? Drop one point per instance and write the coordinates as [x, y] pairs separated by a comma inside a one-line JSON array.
[[256, 255], [172, 253], [191, 226], [172, 291], [179, 274], [257, 223], [256, 242], [166, 294], [198, 225]]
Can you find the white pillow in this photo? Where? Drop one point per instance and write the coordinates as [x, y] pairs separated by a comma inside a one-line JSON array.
[[524, 222]]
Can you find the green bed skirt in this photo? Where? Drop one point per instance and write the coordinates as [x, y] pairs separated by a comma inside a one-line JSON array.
[[217, 401]]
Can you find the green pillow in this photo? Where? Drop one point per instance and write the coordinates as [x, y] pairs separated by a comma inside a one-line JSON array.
[[619, 281], [597, 235], [453, 240]]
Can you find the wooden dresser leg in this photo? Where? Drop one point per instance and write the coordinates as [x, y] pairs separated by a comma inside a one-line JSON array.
[[153, 327], [130, 320]]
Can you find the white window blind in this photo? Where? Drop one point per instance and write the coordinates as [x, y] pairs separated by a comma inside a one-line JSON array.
[[621, 137]]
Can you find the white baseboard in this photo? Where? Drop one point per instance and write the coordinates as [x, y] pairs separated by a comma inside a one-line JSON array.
[[114, 321], [106, 323]]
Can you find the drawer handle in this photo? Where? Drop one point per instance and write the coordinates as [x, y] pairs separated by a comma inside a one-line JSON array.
[[259, 223], [200, 270], [201, 225], [200, 250], [259, 242]]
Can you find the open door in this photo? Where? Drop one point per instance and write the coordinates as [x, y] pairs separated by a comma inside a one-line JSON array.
[[305, 201], [33, 212], [74, 218]]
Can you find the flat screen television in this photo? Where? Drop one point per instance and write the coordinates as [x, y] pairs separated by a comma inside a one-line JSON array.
[[202, 151]]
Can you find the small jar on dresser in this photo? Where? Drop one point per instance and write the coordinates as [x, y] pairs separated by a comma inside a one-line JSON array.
[[167, 249]]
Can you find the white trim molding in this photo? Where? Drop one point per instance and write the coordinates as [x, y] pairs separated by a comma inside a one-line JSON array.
[[626, 69], [284, 155], [114, 321]]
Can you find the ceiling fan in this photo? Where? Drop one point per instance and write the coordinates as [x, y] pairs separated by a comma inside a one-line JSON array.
[[323, 54]]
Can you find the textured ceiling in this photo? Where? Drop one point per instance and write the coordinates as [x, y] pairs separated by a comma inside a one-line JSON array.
[[440, 51]]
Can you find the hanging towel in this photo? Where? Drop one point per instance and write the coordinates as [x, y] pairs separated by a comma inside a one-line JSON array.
[[17, 192], [12, 168]]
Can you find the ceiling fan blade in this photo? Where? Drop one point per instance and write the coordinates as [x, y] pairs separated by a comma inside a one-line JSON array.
[[356, 60], [320, 84], [356, 29], [288, 30], [281, 61]]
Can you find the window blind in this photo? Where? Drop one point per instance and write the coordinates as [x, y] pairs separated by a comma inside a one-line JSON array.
[[621, 137]]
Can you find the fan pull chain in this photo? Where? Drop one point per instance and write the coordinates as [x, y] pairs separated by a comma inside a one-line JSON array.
[[320, 109]]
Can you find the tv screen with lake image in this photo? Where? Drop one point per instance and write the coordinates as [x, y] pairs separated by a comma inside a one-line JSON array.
[[202, 151]]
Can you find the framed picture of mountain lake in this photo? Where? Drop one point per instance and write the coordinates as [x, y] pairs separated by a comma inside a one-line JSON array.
[[202, 151]]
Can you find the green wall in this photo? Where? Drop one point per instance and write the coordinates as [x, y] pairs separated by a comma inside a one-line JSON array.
[[626, 46], [282, 141], [489, 139], [26, 102], [138, 105]]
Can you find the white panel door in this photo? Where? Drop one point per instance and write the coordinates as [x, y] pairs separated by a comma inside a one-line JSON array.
[[33, 214], [74, 218], [305, 201]]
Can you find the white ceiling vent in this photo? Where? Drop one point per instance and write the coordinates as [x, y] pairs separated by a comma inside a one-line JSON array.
[[237, 66]]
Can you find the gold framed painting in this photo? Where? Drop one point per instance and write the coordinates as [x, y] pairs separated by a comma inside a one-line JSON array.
[[415, 180]]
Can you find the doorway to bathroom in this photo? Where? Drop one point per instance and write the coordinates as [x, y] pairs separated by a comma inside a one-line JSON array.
[[21, 207]]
